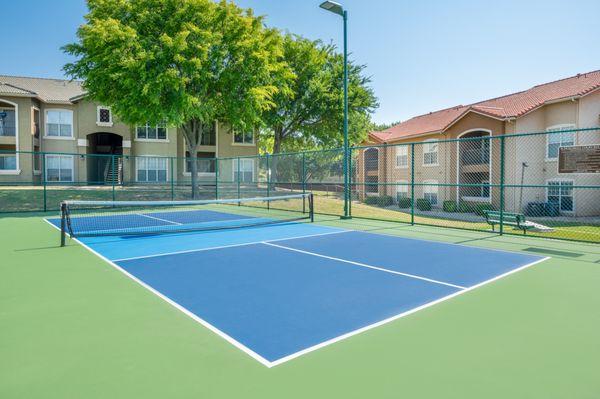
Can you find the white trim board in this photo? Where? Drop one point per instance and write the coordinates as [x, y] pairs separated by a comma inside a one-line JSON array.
[[295, 355]]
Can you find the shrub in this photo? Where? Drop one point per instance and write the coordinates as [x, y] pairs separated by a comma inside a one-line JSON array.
[[383, 200], [465, 207], [423, 204], [386, 200], [404, 203], [450, 206], [371, 200]]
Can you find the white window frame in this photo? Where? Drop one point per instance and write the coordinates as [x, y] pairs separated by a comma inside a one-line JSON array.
[[405, 149], [147, 158], [403, 187], [435, 188], [437, 152], [71, 157], [558, 128], [156, 140], [46, 130], [235, 168], [558, 180], [243, 144], [100, 108]]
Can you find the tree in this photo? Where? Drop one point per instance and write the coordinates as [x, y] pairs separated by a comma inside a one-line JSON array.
[[186, 63], [312, 111]]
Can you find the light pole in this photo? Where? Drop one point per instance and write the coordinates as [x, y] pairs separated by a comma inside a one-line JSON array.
[[337, 8]]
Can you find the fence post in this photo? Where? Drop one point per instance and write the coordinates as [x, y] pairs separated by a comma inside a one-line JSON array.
[[350, 174], [112, 166], [502, 156], [239, 173], [172, 172], [44, 180], [216, 178], [412, 183], [268, 180], [303, 179]]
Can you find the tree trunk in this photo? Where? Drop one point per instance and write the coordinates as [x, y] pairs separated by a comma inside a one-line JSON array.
[[192, 133], [277, 139]]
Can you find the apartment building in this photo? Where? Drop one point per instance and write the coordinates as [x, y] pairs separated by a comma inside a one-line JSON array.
[[78, 135], [530, 161]]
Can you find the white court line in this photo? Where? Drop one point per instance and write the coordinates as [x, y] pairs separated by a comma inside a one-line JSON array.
[[367, 266], [162, 220], [295, 355], [188, 251]]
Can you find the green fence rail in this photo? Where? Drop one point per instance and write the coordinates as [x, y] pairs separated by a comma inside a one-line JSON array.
[[477, 182]]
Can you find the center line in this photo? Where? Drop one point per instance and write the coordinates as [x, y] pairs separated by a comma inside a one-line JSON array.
[[367, 266]]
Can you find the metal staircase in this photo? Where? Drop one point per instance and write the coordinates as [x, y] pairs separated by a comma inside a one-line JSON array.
[[113, 172]]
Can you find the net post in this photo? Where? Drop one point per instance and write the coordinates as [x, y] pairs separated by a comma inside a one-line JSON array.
[[502, 156], [172, 173], [412, 184], [63, 223]]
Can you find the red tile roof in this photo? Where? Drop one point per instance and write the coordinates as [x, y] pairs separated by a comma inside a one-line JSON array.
[[510, 106]]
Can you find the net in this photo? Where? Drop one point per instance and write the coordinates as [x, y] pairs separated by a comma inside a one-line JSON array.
[[100, 218]]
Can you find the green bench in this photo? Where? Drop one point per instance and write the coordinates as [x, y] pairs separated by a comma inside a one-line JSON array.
[[508, 219]]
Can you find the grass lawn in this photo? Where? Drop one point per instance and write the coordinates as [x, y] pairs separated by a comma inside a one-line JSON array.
[[73, 327]]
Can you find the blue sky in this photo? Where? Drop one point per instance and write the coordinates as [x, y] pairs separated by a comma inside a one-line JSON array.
[[422, 55]]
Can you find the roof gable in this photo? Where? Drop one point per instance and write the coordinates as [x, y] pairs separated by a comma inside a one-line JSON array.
[[505, 107]]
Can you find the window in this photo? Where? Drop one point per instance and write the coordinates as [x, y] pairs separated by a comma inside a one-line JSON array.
[[402, 190], [151, 169], [151, 132], [430, 153], [557, 140], [59, 168], [246, 138], [430, 191], [8, 162], [402, 156], [103, 116], [59, 123], [245, 172], [7, 122], [206, 162], [560, 192]]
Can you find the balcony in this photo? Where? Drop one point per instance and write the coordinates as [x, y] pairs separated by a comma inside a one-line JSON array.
[[475, 156]]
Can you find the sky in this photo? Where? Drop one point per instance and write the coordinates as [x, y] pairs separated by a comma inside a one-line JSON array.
[[421, 55]]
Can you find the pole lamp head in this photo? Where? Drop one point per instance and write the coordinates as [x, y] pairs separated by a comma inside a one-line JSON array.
[[333, 7]]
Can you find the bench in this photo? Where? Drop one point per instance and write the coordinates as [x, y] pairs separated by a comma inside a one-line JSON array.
[[508, 219]]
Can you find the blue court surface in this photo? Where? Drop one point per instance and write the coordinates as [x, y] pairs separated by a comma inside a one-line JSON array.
[[283, 290]]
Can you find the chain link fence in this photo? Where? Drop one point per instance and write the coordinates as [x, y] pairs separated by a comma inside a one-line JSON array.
[[507, 183]]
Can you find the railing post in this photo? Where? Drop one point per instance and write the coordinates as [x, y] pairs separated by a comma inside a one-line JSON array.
[[172, 173], [412, 184], [502, 156]]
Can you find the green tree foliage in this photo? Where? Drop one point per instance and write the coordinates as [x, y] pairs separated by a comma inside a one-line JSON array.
[[311, 113], [186, 63]]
